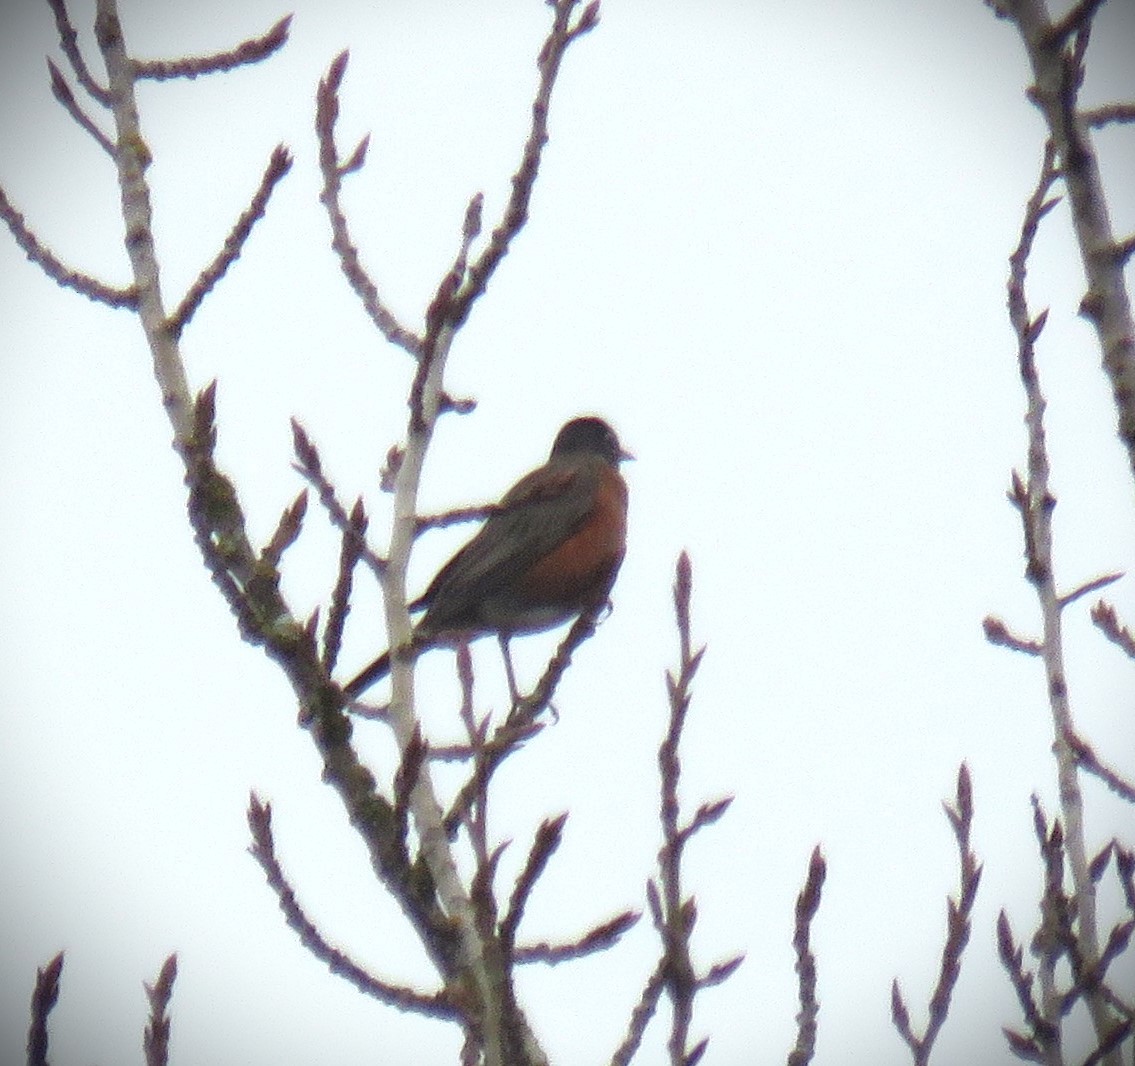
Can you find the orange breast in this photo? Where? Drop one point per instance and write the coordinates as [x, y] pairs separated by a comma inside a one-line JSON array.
[[581, 571]]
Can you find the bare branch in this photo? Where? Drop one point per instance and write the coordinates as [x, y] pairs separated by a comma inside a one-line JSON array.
[[1043, 1034], [54, 268], [959, 911], [547, 840], [1056, 52], [996, 632], [440, 308], [1109, 113], [641, 1015], [705, 815], [44, 997], [1120, 1032], [311, 468], [287, 532], [1037, 207], [278, 165], [155, 1040], [1087, 758], [69, 42], [1125, 249], [1107, 621], [406, 780], [247, 52], [327, 113], [1125, 864], [1077, 20], [349, 553], [1089, 586], [515, 214], [720, 972], [1035, 503], [600, 938], [436, 1005], [807, 904], [62, 92], [675, 915], [456, 516], [1091, 978], [521, 723]]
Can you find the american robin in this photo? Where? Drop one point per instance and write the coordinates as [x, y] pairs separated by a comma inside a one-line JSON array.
[[549, 551]]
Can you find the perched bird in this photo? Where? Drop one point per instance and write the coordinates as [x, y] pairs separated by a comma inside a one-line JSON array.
[[549, 551]]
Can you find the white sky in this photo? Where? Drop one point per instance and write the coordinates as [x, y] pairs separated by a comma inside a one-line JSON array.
[[769, 243]]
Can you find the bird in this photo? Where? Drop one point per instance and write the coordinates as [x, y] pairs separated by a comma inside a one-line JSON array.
[[550, 550]]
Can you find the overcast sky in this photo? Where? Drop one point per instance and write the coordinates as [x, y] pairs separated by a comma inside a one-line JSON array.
[[769, 243]]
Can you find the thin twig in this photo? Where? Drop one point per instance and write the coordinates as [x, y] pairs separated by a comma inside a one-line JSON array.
[[1035, 503], [521, 723], [436, 1005], [456, 516], [44, 997], [406, 780], [1087, 758], [310, 467], [1124, 250], [602, 937], [561, 35], [278, 165], [54, 268], [1091, 978], [1106, 618], [441, 322], [1056, 52], [996, 632], [1108, 113], [1088, 587], [62, 92], [251, 51], [1041, 1044], [641, 1015], [674, 914], [1051, 941], [1120, 1032], [327, 113], [1074, 22], [69, 42], [544, 845], [807, 904], [286, 533], [349, 552], [959, 912], [155, 1040]]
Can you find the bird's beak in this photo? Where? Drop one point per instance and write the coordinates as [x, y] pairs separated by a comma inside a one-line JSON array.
[[625, 456]]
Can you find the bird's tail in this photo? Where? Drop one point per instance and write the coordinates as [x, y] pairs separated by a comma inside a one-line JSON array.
[[366, 677]]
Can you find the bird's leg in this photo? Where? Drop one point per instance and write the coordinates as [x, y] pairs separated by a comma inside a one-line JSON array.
[[513, 692]]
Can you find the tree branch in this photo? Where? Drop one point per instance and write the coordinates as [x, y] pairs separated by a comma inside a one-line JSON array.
[[44, 998], [561, 35], [958, 915], [251, 51], [54, 268], [327, 113], [155, 1040], [1107, 621], [1056, 53], [278, 165], [1035, 505], [807, 904], [62, 92], [600, 938], [435, 1005], [69, 42]]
